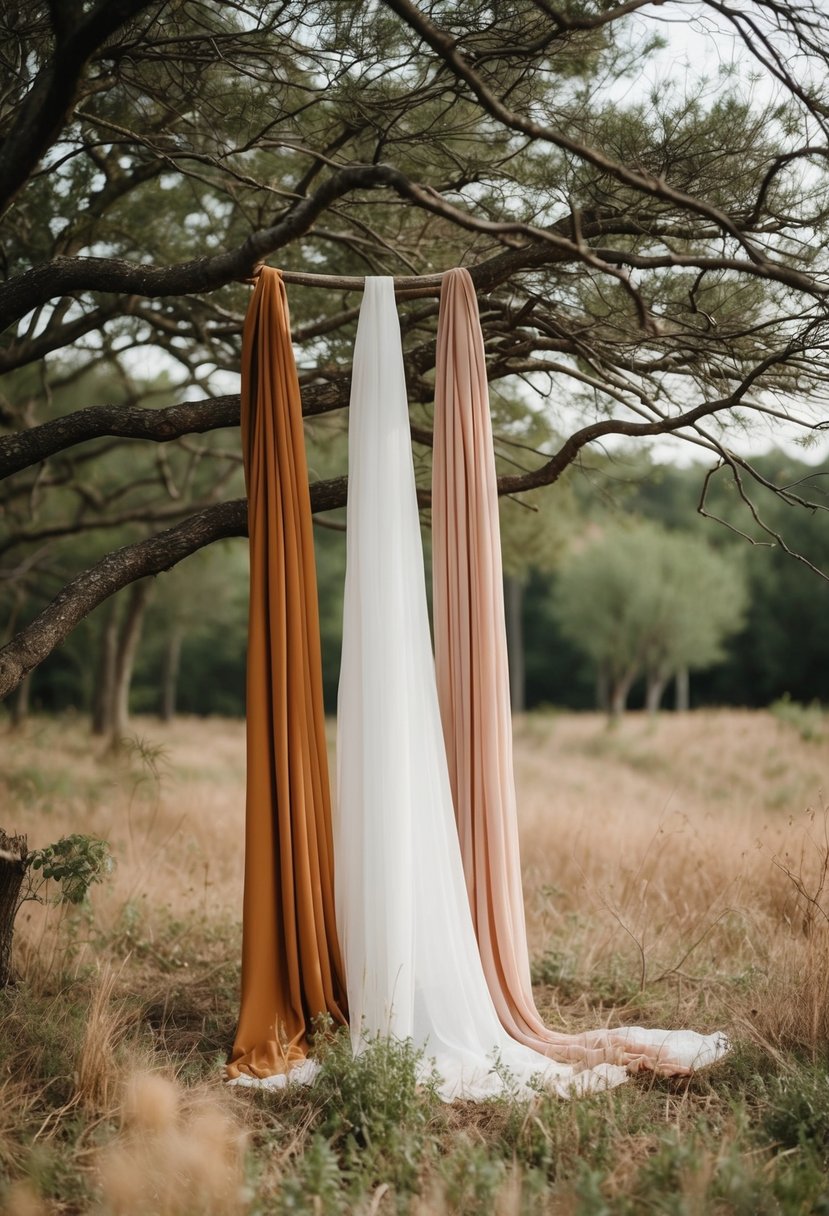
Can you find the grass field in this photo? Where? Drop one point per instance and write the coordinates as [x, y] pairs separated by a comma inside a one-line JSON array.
[[676, 874]]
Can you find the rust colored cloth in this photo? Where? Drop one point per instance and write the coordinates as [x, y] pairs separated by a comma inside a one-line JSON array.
[[291, 967]]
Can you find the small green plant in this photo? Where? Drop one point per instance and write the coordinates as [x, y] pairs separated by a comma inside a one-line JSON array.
[[74, 862], [808, 720], [472, 1177], [316, 1185], [797, 1116], [377, 1109]]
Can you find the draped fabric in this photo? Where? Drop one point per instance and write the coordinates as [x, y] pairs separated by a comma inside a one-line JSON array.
[[412, 964], [473, 688], [291, 968]]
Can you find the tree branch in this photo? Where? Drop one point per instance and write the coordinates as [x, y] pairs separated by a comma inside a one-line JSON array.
[[64, 275], [644, 183], [24, 448], [48, 101], [123, 566], [158, 553]]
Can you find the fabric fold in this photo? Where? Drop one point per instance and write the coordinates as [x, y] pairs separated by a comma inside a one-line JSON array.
[[412, 964], [291, 966], [473, 688]]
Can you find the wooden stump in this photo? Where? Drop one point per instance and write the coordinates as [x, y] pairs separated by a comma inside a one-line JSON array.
[[13, 853]]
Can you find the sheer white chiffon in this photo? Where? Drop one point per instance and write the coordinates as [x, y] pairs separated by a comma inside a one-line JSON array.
[[413, 970]]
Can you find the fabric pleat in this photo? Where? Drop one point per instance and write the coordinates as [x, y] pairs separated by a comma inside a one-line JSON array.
[[412, 965], [473, 688], [291, 967]]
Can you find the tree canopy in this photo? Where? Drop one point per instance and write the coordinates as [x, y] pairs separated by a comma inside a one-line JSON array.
[[643, 601], [648, 262]]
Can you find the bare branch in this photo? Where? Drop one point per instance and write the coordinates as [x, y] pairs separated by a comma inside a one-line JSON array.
[[24, 448], [644, 183], [43, 111]]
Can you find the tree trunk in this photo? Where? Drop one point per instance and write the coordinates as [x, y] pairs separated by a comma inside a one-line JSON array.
[[682, 690], [514, 618], [103, 697], [619, 691], [130, 636], [654, 688], [169, 674], [13, 851], [602, 689], [20, 702]]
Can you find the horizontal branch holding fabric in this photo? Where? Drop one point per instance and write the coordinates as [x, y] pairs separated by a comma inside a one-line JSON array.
[[24, 448], [64, 275], [565, 239]]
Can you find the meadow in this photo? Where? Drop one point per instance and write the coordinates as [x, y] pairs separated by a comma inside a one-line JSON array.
[[676, 874]]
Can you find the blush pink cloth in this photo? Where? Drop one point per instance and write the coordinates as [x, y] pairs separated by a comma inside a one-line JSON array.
[[473, 689]]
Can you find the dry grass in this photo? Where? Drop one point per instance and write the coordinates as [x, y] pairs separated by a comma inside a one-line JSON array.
[[176, 1151], [674, 875]]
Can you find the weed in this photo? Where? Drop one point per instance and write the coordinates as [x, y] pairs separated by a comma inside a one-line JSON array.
[[74, 862], [377, 1108], [797, 1115], [808, 720], [315, 1186], [471, 1177]]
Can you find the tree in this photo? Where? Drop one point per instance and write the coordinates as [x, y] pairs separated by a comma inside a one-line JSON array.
[[200, 608], [534, 530], [658, 265], [645, 602]]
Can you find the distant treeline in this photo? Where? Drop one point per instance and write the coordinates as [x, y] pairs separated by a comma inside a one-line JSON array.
[[191, 654]]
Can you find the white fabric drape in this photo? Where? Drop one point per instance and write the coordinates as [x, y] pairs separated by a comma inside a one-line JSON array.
[[413, 970]]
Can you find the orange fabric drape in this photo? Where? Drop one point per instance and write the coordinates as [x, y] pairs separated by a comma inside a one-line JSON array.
[[291, 967]]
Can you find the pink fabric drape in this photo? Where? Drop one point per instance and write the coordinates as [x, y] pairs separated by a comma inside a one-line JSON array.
[[473, 685]]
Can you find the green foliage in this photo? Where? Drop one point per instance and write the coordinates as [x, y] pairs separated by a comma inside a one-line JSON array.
[[74, 862], [614, 983], [797, 1114], [641, 600], [378, 1108], [784, 647], [472, 1177], [808, 720], [315, 1187]]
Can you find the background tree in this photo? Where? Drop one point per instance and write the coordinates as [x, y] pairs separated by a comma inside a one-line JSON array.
[[197, 636], [535, 528], [783, 648], [645, 602], [649, 265]]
